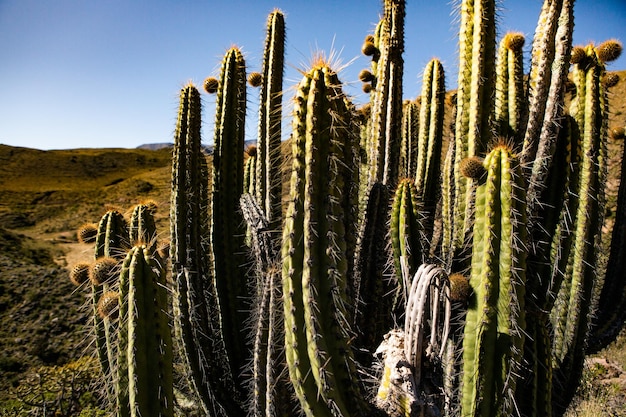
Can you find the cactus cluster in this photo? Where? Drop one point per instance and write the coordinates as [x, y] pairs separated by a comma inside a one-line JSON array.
[[407, 272]]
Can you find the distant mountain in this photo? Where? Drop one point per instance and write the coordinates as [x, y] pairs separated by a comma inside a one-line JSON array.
[[155, 146], [207, 148]]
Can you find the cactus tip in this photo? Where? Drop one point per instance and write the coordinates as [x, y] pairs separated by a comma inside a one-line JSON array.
[[87, 233], [459, 287], [151, 205], [578, 55], [472, 168], [611, 79], [108, 305], [255, 79], [617, 133], [79, 273], [514, 41], [609, 50], [211, 84], [366, 76], [251, 150], [369, 49], [103, 271]]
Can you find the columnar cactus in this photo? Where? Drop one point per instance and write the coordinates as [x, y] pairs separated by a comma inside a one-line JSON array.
[[430, 140], [570, 315], [407, 233], [475, 102], [510, 100], [110, 243], [494, 329], [315, 266], [196, 308], [227, 226], [408, 147], [269, 158], [386, 119], [145, 363]]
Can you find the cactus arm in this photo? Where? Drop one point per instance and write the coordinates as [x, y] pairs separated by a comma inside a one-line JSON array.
[[269, 159], [196, 310], [474, 101], [149, 347], [509, 99], [495, 319], [386, 125], [430, 138], [611, 313], [293, 255], [315, 268], [410, 129], [227, 228]]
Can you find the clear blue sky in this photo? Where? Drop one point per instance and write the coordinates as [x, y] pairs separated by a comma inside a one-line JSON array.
[[106, 73]]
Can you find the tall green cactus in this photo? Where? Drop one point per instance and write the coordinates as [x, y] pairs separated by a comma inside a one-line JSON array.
[[315, 266], [510, 100], [386, 120], [110, 243], [269, 158], [570, 315], [430, 141], [475, 102], [407, 234], [145, 361], [549, 69], [408, 147], [196, 308], [494, 329], [227, 226]]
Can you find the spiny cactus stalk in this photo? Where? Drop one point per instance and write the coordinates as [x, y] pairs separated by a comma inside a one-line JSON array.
[[570, 315], [475, 102], [386, 119], [227, 226], [145, 342], [196, 308], [407, 231], [410, 128], [269, 159], [315, 266], [510, 100], [494, 328], [612, 313], [110, 242], [249, 175], [430, 140], [549, 69]]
